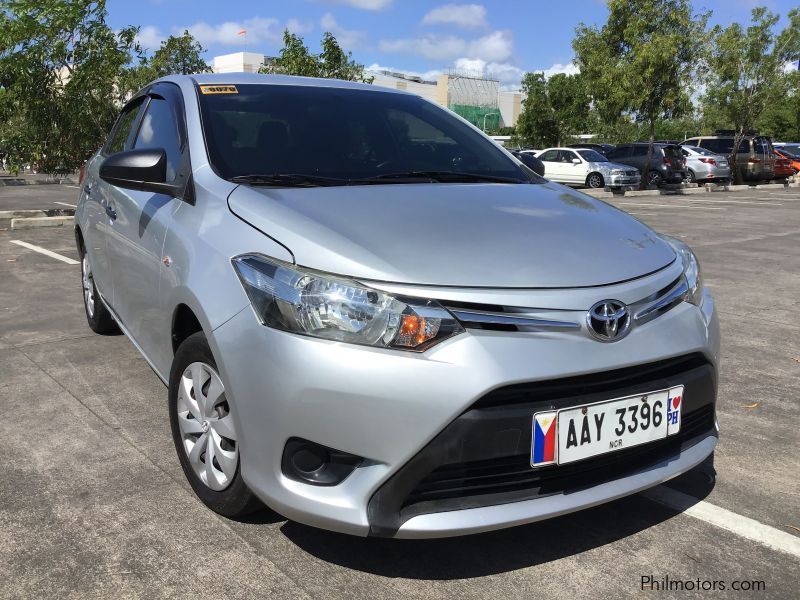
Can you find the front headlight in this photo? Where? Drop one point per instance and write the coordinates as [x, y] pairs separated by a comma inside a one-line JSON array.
[[617, 172], [317, 304], [691, 269]]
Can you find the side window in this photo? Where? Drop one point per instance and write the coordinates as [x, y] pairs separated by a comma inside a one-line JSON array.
[[549, 156], [685, 152], [640, 151], [122, 129], [159, 129], [744, 146]]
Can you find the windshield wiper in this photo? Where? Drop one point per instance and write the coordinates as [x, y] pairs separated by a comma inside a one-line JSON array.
[[288, 180], [440, 176]]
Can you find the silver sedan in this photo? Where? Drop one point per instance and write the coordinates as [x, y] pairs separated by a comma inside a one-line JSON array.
[[373, 319], [705, 166]]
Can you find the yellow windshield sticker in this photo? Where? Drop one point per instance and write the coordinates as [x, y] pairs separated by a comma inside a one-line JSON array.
[[218, 89]]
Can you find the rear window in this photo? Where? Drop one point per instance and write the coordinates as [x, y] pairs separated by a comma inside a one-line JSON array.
[[718, 145], [672, 152], [341, 133]]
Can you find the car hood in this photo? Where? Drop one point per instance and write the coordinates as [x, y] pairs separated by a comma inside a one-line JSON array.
[[470, 235], [609, 166]]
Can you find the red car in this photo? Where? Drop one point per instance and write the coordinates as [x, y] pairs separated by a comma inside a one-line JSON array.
[[794, 159], [783, 168]]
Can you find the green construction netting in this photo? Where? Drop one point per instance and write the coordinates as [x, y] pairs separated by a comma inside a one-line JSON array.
[[476, 115]]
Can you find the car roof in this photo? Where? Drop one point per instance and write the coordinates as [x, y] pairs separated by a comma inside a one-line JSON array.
[[263, 79]]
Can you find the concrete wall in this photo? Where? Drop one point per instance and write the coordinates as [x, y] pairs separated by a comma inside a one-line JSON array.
[[238, 62]]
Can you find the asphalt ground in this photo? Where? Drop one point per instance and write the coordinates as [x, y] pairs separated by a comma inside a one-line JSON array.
[[93, 502], [38, 197]]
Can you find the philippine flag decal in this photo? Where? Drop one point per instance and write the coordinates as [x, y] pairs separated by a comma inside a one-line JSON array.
[[543, 447]]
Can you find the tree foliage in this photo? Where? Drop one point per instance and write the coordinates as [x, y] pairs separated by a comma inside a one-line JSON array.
[[59, 63], [296, 59], [748, 72], [641, 62], [178, 54], [554, 110]]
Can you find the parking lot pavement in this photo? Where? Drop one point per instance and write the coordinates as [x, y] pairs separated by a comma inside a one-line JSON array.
[[38, 197], [94, 504]]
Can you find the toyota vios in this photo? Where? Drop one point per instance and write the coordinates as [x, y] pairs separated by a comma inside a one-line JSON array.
[[374, 320]]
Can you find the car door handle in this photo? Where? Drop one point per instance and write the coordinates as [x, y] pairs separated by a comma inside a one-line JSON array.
[[112, 214]]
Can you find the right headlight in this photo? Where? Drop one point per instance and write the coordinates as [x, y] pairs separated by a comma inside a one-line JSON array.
[[317, 304], [617, 172], [691, 269]]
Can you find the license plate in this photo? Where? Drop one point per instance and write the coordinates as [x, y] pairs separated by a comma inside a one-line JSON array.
[[576, 433]]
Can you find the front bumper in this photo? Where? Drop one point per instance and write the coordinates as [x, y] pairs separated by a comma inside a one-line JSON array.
[[616, 181], [389, 406]]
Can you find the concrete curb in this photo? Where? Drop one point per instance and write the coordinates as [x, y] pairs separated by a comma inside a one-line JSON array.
[[770, 186], [34, 222]]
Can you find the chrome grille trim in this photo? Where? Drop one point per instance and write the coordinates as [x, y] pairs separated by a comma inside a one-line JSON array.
[[675, 295], [496, 318]]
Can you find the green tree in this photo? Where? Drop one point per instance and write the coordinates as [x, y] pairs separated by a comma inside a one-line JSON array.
[[748, 71], [59, 76], [333, 62], [535, 125], [641, 63], [781, 119], [554, 109], [178, 54]]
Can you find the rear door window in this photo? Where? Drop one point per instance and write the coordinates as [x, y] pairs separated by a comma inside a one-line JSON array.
[[640, 151], [549, 156]]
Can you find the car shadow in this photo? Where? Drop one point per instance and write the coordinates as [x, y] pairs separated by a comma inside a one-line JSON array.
[[500, 551]]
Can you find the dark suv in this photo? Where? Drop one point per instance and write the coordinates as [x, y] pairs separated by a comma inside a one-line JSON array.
[[755, 158], [667, 165]]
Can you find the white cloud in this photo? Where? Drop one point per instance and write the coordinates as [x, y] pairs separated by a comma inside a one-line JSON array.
[[149, 38], [299, 27], [259, 30], [495, 46], [364, 4], [347, 38], [569, 69], [466, 16], [430, 75]]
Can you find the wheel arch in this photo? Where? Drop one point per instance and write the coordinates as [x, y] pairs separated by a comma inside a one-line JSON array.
[[184, 323], [598, 173]]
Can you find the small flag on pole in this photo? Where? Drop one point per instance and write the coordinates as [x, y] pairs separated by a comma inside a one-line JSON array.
[[242, 32]]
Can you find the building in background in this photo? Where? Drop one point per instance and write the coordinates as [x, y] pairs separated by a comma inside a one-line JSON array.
[[478, 99]]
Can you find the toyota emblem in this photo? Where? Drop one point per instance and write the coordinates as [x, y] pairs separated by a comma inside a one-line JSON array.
[[608, 320]]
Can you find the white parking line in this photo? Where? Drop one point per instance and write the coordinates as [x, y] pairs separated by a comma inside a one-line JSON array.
[[66, 204], [764, 203], [68, 185], [46, 252], [725, 519], [620, 204]]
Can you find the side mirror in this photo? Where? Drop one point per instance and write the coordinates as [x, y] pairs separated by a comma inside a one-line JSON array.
[[576, 161], [144, 170]]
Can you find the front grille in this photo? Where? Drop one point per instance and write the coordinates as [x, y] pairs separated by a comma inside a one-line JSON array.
[[559, 393], [514, 473]]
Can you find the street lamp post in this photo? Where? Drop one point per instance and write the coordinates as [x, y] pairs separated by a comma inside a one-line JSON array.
[[484, 119]]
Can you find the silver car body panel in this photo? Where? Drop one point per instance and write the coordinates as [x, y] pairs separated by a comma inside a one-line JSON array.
[[544, 251]]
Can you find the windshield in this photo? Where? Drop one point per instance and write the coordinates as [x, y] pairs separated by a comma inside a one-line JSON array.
[[344, 135], [592, 156]]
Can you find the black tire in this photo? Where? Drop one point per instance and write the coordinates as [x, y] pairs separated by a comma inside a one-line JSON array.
[[654, 178], [595, 180], [236, 500], [691, 178], [97, 315]]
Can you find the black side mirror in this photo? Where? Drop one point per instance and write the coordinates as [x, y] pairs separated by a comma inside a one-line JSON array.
[[144, 170]]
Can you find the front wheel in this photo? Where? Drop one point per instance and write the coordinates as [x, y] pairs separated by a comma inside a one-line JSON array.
[[692, 178], [595, 180], [204, 431]]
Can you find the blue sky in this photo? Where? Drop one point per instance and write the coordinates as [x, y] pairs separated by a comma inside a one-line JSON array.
[[501, 38]]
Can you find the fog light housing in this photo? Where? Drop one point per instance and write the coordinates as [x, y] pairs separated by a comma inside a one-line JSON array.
[[315, 464]]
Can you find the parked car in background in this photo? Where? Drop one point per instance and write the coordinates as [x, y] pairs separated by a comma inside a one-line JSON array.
[[704, 165], [754, 158], [585, 166], [530, 160], [792, 157], [601, 148], [667, 164], [783, 168], [793, 147]]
